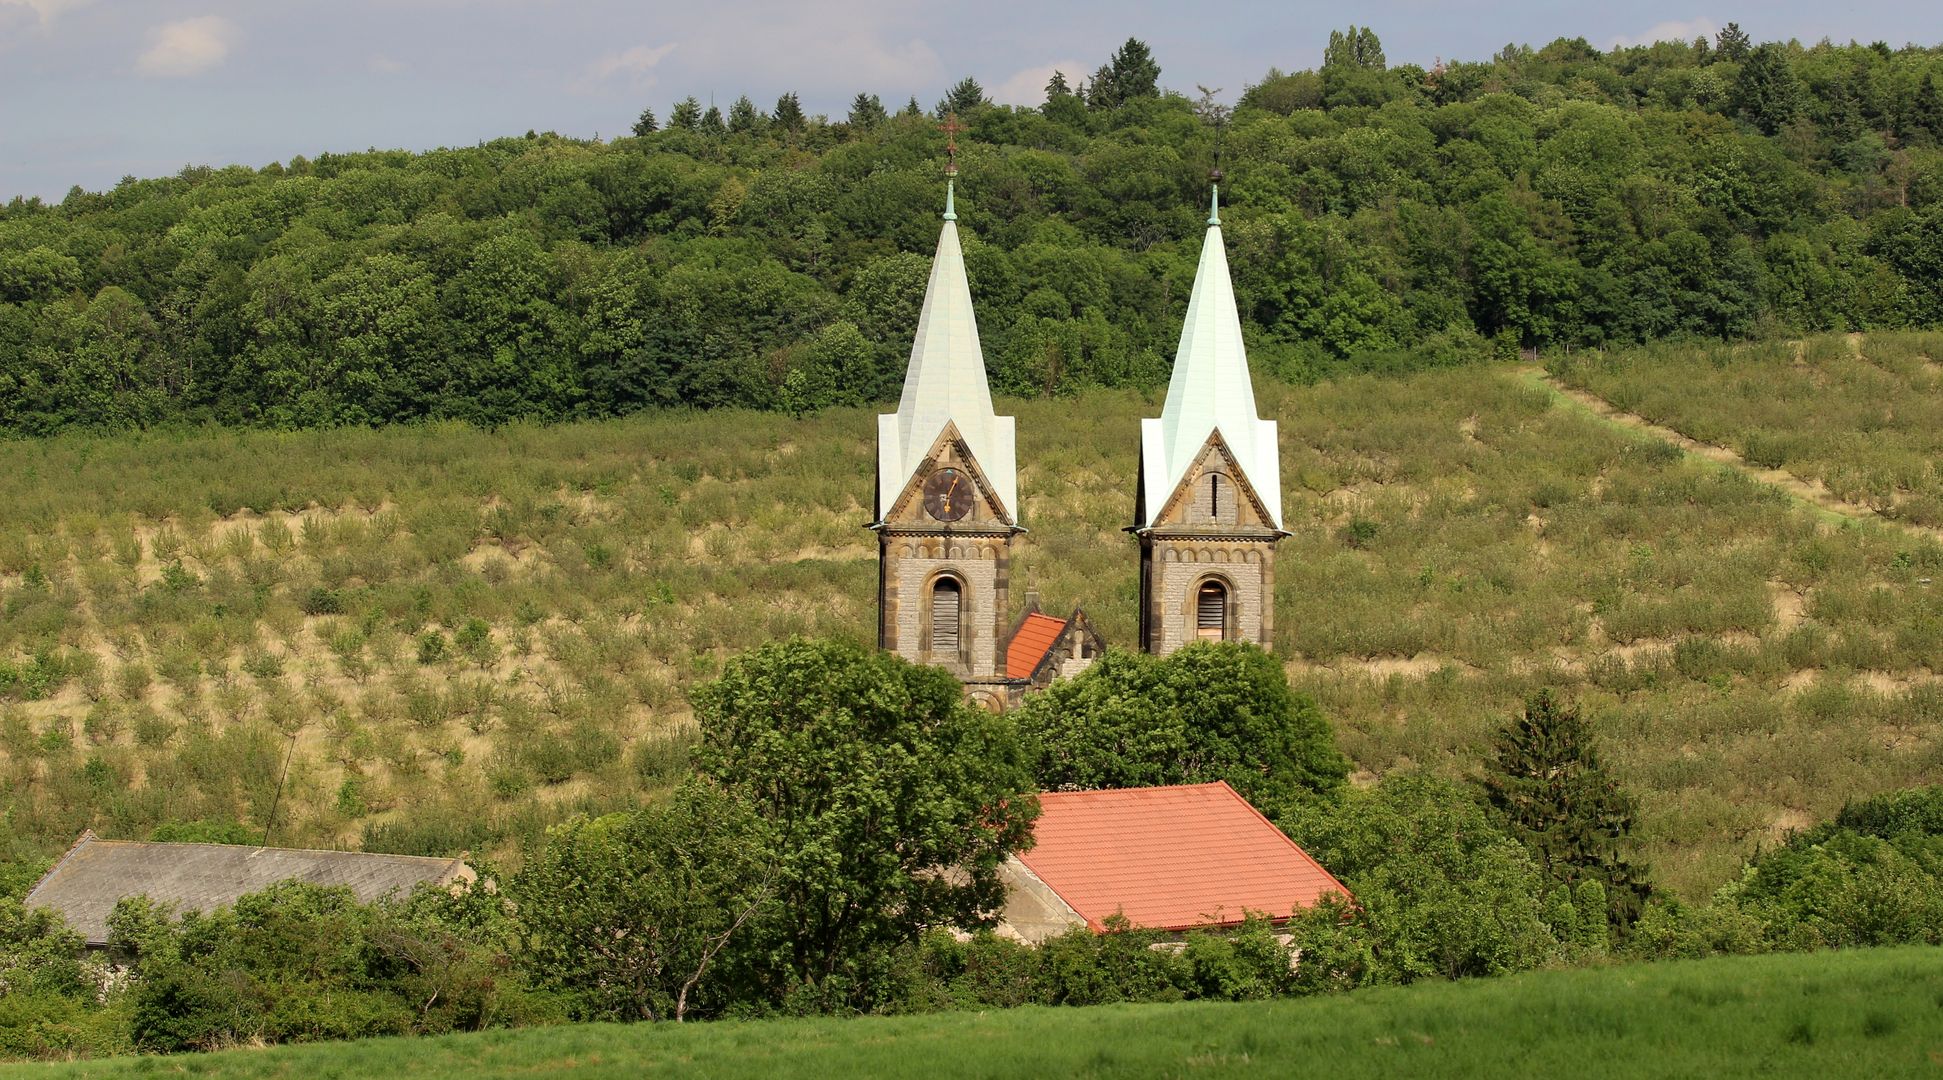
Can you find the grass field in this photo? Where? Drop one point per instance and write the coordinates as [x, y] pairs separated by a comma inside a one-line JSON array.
[[458, 636], [1867, 1013], [1863, 417]]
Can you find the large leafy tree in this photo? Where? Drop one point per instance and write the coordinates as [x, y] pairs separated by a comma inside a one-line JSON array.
[[1545, 780], [1206, 712], [886, 803], [630, 912]]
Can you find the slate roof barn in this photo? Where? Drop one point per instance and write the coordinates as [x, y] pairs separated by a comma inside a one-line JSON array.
[[1167, 858], [95, 874]]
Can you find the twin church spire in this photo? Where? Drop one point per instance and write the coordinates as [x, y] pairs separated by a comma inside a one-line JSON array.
[[1208, 498]]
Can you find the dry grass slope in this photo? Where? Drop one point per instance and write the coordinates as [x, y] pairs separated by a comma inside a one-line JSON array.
[[459, 636]]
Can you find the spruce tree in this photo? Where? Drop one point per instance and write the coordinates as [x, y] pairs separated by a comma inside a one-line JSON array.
[[712, 123], [912, 108], [1135, 72], [1544, 777], [1056, 86], [687, 114], [1924, 121], [789, 113], [646, 124], [1732, 43], [1766, 92], [963, 98], [866, 112], [743, 117]]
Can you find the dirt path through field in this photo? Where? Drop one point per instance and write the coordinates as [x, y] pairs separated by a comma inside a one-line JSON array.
[[1808, 492]]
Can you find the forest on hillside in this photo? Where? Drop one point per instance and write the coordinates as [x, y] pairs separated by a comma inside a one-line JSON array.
[[1377, 217]]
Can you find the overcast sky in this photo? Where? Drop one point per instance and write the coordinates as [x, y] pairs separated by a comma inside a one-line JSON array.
[[92, 90]]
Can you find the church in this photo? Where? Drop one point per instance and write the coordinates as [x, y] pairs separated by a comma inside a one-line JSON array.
[[1207, 501]]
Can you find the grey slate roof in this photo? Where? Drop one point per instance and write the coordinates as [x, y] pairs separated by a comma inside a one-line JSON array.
[[86, 884]]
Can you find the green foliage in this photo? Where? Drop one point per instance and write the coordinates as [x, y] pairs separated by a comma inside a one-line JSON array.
[[1545, 780], [1440, 891], [206, 832], [1204, 713], [886, 804], [628, 912], [962, 98], [298, 962]]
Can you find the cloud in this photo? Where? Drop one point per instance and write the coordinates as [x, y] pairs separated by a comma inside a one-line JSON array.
[[636, 65], [188, 47], [1028, 87], [1670, 31], [44, 10]]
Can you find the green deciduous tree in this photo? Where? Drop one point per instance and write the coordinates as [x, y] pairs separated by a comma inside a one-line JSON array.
[[630, 912], [1207, 712], [1545, 779], [887, 804]]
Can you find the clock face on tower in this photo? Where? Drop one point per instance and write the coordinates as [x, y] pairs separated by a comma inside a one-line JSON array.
[[948, 495]]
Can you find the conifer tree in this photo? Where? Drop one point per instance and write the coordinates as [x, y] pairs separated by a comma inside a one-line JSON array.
[[1544, 777], [1767, 93], [687, 114], [1925, 116], [646, 124], [712, 122], [1056, 86], [1135, 72], [912, 108], [866, 112], [1732, 43], [743, 117], [789, 113], [963, 98]]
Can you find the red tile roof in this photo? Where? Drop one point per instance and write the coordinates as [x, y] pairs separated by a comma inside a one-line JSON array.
[[1029, 646], [1170, 858]]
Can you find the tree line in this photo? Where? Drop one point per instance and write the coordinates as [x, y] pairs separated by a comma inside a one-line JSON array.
[[1378, 216]]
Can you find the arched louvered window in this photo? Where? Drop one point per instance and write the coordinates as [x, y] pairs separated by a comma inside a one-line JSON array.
[[947, 603], [1211, 612]]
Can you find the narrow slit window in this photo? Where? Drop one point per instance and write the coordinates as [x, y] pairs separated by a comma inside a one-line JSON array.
[[945, 613], [1220, 498], [1211, 612]]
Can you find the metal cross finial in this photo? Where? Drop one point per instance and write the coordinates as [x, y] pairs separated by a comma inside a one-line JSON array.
[[951, 127]]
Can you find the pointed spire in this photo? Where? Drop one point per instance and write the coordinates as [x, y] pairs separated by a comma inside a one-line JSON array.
[[951, 210], [1214, 211], [1210, 390], [946, 384]]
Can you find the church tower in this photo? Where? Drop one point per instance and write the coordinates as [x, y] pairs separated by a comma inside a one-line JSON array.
[[947, 494], [1208, 511]]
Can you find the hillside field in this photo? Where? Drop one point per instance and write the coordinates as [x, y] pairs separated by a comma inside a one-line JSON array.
[[457, 636], [1871, 1012]]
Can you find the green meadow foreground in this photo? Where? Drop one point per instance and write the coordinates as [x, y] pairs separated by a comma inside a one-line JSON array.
[[460, 636], [1863, 1013]]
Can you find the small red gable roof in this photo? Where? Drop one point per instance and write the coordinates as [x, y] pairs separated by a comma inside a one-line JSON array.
[[1035, 638], [1170, 858]]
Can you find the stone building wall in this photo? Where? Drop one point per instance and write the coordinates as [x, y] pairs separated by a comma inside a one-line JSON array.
[[981, 564], [1179, 567]]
